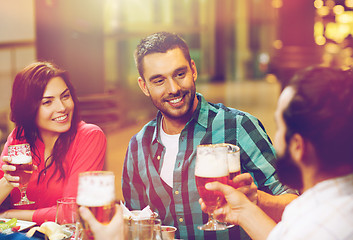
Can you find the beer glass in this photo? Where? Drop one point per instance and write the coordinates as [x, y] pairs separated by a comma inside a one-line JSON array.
[[233, 157], [21, 158], [96, 191], [233, 161], [211, 165]]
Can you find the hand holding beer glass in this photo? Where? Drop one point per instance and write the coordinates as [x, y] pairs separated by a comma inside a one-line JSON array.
[[211, 165], [96, 191], [21, 158]]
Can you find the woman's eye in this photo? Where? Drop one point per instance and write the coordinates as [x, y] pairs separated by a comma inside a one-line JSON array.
[[66, 96], [46, 102]]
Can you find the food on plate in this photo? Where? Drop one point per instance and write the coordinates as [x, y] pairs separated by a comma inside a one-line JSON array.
[[6, 226], [53, 230]]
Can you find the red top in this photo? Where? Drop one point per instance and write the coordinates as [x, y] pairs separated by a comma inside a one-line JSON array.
[[87, 153]]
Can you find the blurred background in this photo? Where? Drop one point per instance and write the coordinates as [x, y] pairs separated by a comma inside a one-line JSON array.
[[245, 52]]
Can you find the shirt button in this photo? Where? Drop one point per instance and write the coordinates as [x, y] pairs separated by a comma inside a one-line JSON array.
[[158, 157], [176, 192], [181, 220]]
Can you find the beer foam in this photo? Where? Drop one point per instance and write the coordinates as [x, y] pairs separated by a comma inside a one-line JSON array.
[[95, 191], [213, 162], [234, 161], [21, 159]]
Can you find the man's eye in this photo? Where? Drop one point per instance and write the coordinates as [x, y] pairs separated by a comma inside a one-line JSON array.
[[181, 75], [158, 81]]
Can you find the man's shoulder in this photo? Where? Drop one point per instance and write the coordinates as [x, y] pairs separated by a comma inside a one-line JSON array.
[[147, 130], [220, 108]]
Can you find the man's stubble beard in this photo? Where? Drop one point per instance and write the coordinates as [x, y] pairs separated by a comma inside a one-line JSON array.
[[190, 105]]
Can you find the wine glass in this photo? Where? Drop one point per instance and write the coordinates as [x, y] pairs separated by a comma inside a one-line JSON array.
[[96, 191], [211, 165], [21, 158]]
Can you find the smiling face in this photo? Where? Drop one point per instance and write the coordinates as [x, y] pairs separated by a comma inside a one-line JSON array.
[[169, 81], [56, 109]]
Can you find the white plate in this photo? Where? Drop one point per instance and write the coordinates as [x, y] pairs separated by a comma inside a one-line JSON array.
[[23, 224]]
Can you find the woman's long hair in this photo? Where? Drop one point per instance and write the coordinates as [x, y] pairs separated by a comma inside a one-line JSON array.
[[27, 93]]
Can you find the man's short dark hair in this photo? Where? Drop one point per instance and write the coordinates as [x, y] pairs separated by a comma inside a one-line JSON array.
[[322, 112], [159, 42]]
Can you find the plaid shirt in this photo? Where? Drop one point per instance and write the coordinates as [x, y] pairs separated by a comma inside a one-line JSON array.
[[179, 206]]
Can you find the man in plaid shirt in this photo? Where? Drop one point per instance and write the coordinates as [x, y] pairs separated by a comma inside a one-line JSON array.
[[160, 160]]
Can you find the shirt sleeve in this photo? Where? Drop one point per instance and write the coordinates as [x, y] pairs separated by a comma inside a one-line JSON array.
[[132, 185], [87, 154], [258, 155]]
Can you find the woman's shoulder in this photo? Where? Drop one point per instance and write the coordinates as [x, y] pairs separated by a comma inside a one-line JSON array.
[[88, 133], [87, 128], [12, 140]]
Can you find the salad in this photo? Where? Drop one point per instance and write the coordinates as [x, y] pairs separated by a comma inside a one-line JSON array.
[[9, 226]]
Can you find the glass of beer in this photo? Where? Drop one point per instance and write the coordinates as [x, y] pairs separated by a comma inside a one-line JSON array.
[[211, 165], [21, 158], [96, 191], [233, 161]]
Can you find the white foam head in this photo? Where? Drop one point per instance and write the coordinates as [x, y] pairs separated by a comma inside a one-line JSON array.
[[96, 190], [233, 158], [211, 161], [20, 153], [21, 159]]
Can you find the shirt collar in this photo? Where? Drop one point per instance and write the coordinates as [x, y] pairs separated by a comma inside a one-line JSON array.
[[200, 116]]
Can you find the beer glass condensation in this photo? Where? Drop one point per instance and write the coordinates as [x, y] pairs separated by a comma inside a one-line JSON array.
[[21, 158], [96, 191], [211, 165]]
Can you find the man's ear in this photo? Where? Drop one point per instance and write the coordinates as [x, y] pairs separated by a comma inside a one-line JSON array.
[[142, 85], [194, 70], [297, 148]]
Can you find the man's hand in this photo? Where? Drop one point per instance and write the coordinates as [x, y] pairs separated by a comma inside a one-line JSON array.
[[114, 230], [245, 184], [235, 203]]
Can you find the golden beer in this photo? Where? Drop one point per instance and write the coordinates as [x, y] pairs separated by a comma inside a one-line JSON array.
[[96, 191], [21, 157]]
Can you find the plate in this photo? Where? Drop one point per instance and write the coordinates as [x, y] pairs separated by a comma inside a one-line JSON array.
[[23, 224]]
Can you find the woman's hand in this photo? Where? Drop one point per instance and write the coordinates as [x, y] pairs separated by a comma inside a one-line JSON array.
[[8, 171]]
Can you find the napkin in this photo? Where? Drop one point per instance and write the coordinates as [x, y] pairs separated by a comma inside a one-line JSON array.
[[51, 229], [144, 213]]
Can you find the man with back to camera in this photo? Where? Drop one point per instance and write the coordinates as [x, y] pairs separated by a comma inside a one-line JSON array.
[[159, 164], [314, 120]]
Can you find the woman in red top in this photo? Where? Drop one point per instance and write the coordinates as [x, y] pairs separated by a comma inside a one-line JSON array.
[[44, 108]]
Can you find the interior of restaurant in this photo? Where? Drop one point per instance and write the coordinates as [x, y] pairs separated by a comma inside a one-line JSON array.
[[245, 52]]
